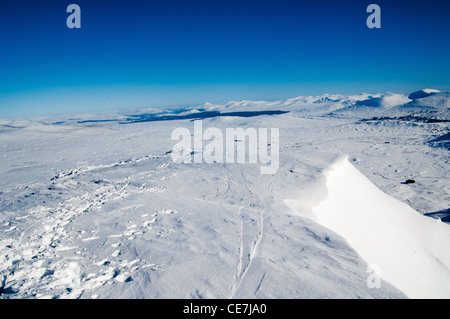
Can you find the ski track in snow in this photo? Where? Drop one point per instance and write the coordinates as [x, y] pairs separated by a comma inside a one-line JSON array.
[[247, 251]]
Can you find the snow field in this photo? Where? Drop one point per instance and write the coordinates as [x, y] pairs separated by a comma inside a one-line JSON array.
[[99, 210]]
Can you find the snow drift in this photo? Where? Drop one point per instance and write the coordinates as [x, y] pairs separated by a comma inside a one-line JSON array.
[[408, 248]]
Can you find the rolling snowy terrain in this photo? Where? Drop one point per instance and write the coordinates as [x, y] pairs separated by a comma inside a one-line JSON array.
[[93, 206]]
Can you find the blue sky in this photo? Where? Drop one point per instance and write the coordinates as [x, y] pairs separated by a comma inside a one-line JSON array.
[[136, 54]]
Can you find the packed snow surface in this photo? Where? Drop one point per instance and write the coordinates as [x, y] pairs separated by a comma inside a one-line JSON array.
[[93, 206]]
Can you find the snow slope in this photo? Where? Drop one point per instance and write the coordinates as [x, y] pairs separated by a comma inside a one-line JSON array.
[[407, 247], [92, 206]]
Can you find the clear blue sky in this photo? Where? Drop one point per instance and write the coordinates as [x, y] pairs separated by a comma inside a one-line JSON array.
[[133, 54]]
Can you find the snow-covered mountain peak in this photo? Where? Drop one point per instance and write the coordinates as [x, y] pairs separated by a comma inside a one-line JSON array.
[[422, 93]]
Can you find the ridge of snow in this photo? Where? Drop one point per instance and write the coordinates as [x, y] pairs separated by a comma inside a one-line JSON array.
[[408, 248]]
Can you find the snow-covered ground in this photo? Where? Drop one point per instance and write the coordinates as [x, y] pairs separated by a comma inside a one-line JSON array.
[[92, 206]]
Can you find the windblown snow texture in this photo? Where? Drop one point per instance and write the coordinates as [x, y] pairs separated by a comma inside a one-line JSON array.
[[92, 206]]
